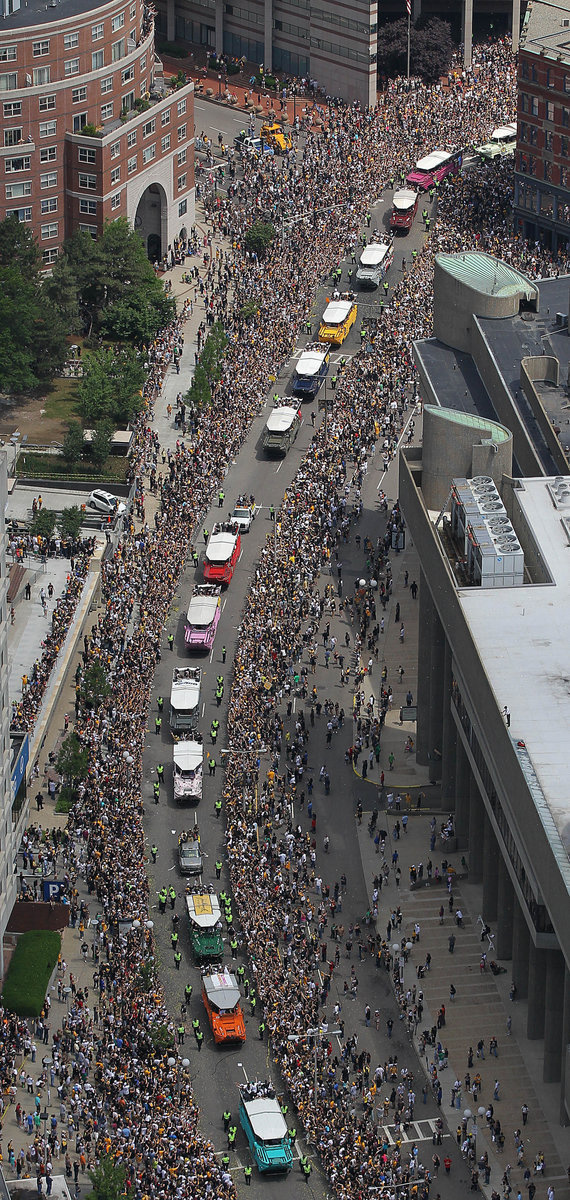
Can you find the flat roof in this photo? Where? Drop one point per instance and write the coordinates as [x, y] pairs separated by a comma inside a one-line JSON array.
[[184, 697], [404, 198], [267, 1120], [220, 546], [222, 989], [311, 361], [46, 12], [374, 254], [337, 311], [202, 608], [281, 419], [203, 909], [188, 755], [521, 635], [432, 160]]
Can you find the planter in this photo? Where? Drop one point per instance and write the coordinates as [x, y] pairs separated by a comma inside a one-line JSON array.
[[209, 91]]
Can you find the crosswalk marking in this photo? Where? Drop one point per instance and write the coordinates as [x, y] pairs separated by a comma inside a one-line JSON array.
[[414, 1133]]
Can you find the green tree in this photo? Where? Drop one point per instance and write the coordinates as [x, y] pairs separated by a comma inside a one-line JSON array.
[[199, 393], [111, 388], [94, 686], [70, 521], [18, 248], [101, 444], [259, 238], [60, 292], [44, 523], [119, 293], [128, 377], [32, 342], [95, 389], [431, 48], [108, 1179], [213, 352], [73, 444], [73, 760]]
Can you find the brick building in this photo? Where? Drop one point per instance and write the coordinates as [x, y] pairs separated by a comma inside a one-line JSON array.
[[71, 65], [542, 165]]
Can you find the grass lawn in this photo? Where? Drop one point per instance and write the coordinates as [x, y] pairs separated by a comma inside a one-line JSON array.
[[30, 971], [61, 403]]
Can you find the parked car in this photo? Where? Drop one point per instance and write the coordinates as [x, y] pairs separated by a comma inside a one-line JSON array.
[[106, 503]]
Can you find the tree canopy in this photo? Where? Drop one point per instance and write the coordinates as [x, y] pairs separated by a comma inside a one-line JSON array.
[[32, 337], [110, 390], [118, 294], [259, 237], [431, 48]]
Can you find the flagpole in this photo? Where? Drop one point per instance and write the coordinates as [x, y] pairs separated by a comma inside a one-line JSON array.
[[409, 24]]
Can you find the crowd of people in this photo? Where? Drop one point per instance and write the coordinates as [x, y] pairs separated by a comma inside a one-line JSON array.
[[132, 1094]]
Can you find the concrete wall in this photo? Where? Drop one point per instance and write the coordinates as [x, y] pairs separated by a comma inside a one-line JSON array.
[[526, 828], [456, 304], [452, 449], [546, 368], [502, 401]]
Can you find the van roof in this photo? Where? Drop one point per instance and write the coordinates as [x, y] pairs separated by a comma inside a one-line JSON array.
[[336, 312], [281, 419], [374, 254]]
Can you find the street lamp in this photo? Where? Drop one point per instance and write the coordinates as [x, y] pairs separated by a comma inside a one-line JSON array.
[[469, 1116], [219, 86], [315, 1033]]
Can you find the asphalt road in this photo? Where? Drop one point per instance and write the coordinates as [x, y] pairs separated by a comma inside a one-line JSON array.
[[216, 1071]]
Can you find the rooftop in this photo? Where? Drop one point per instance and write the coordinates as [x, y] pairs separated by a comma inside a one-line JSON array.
[[525, 651], [43, 12], [544, 30], [487, 274]]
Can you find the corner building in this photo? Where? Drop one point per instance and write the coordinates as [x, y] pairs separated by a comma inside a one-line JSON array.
[[66, 65]]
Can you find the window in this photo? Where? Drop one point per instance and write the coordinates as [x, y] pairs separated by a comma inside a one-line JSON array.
[[182, 208], [548, 140], [548, 171], [47, 103], [92, 229], [132, 165], [17, 164], [71, 67], [48, 128], [48, 181], [549, 110], [132, 138], [115, 176], [127, 75], [49, 205], [181, 158], [79, 122], [98, 60], [118, 50], [8, 53], [70, 41], [564, 181], [182, 133], [86, 154], [527, 164], [149, 153], [40, 75], [49, 256], [96, 33], [79, 95], [49, 231], [566, 117], [13, 108], [165, 118], [23, 214], [48, 154], [87, 181], [564, 147], [117, 22], [88, 206], [149, 128], [550, 78], [9, 82], [165, 143], [12, 137], [129, 101], [181, 182], [15, 190], [106, 85], [132, 12], [534, 105], [107, 111], [40, 48], [181, 106], [143, 63], [115, 149], [116, 200]]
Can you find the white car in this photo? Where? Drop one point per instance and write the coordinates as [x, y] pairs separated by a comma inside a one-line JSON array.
[[243, 516], [106, 503]]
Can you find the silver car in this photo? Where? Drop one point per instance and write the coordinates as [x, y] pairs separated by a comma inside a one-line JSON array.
[[190, 858]]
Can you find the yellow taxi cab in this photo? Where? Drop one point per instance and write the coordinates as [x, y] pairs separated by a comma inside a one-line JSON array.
[[276, 136], [337, 320]]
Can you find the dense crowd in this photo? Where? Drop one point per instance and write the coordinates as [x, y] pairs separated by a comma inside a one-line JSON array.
[[131, 1094]]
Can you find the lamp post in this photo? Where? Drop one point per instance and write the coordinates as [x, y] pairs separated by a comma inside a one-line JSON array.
[[315, 1033], [469, 1116], [180, 1064], [219, 86]]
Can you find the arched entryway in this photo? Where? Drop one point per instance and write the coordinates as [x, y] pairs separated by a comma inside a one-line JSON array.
[[150, 220]]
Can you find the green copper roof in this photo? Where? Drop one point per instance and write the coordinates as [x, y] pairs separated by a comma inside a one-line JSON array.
[[495, 432], [487, 274]]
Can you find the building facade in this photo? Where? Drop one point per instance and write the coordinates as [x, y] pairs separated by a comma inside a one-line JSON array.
[[542, 164], [332, 43], [90, 132]]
